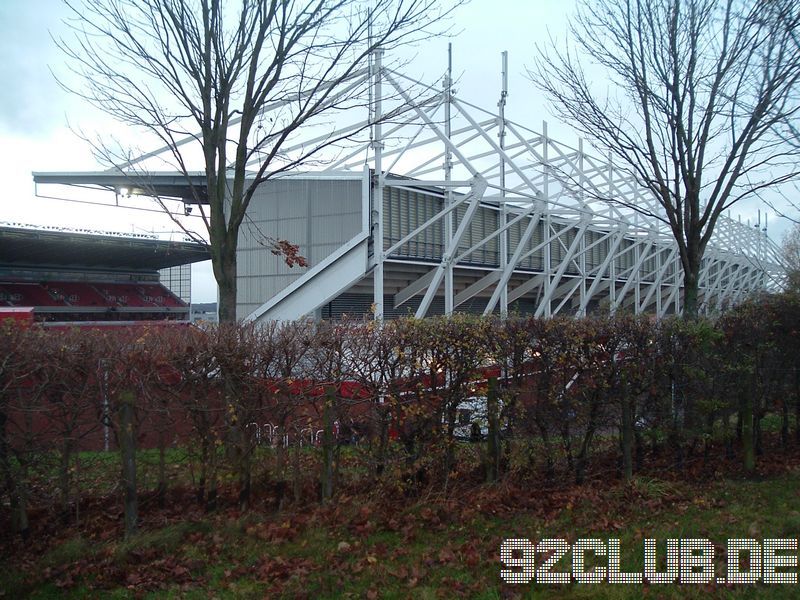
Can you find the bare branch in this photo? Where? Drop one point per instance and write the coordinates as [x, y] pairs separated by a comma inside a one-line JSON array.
[[708, 97]]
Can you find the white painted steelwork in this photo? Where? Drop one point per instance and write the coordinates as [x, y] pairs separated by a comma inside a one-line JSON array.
[[461, 208], [588, 237]]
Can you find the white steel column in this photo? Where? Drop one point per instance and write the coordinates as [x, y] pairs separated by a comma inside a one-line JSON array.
[[544, 306], [377, 197], [504, 268], [582, 257], [657, 280], [477, 192], [612, 283], [673, 296], [607, 263], [612, 268], [448, 169], [502, 286], [631, 281], [735, 276], [547, 232]]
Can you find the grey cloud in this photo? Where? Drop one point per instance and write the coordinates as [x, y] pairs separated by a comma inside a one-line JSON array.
[[31, 103]]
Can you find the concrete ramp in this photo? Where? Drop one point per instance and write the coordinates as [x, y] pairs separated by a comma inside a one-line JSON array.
[[324, 282]]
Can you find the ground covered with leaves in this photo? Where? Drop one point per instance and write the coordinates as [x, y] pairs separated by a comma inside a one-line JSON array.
[[381, 543]]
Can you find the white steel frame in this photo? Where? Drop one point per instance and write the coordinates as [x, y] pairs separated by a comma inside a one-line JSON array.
[[477, 157], [427, 138]]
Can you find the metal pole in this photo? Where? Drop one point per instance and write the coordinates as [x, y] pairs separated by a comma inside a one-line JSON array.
[[612, 271], [448, 171], [546, 192], [582, 259], [377, 198], [503, 210]]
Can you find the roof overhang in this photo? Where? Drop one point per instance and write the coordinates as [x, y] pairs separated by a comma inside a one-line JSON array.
[[188, 187], [38, 248]]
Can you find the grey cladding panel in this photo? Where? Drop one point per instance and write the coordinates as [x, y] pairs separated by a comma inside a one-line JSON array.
[[319, 215], [404, 211]]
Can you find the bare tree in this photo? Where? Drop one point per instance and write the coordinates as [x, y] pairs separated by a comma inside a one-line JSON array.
[[699, 92], [175, 67]]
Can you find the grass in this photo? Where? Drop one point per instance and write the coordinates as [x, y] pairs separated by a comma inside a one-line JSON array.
[[419, 551]]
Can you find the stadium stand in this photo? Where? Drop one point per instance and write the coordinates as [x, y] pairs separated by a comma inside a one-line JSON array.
[[65, 276]]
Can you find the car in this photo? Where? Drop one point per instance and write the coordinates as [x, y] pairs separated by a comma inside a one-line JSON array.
[[472, 418]]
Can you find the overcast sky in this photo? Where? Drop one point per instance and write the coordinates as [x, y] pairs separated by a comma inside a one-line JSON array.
[[37, 118]]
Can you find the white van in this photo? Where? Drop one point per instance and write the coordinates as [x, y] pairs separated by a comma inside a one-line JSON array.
[[472, 418]]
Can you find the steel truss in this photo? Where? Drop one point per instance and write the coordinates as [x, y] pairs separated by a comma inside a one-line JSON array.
[[589, 237], [479, 158]]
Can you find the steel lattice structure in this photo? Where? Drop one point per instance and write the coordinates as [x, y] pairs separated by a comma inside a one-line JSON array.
[[598, 238], [462, 208]]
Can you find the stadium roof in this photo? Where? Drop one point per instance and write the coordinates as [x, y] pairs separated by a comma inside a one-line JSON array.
[[191, 188], [170, 184], [21, 246]]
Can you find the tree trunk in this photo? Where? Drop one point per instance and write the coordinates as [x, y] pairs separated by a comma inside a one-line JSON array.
[[784, 423], [127, 446], [708, 437], [510, 411], [626, 431], [639, 450], [797, 404], [280, 453], [207, 486], [566, 440], [758, 440], [211, 480], [225, 274], [205, 443], [583, 454], [550, 465], [726, 432], [327, 448], [161, 490], [748, 449], [493, 442], [383, 444], [296, 471], [690, 289], [64, 477]]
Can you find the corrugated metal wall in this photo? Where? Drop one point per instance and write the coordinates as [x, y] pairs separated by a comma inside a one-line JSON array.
[[321, 214], [317, 214], [405, 210], [359, 306]]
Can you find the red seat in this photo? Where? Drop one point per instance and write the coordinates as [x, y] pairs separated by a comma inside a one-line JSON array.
[[29, 294]]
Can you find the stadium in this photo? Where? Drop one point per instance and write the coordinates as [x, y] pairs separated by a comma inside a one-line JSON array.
[[449, 207], [59, 276]]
